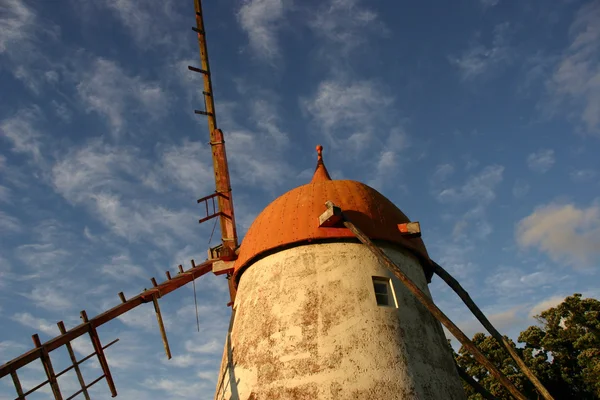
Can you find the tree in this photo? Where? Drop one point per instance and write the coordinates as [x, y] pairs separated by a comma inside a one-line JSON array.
[[563, 352]]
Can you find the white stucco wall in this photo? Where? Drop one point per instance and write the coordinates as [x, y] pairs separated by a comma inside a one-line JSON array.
[[307, 326]]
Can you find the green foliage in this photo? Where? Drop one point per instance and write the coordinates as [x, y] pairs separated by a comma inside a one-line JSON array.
[[563, 352]]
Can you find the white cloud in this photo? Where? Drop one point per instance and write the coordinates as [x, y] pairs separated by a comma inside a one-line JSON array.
[[62, 111], [255, 145], [16, 23], [479, 188], [345, 24], [10, 349], [106, 89], [182, 361], [147, 24], [178, 387], [137, 220], [122, 268], [22, 30], [21, 131], [42, 254], [546, 304], [38, 324], [520, 188], [267, 119], [565, 232], [515, 282], [142, 318], [489, 3], [576, 79], [9, 224], [583, 175], [503, 321], [113, 182], [5, 194], [338, 104], [442, 172], [186, 165], [51, 296], [477, 192], [541, 161], [261, 20], [479, 60], [211, 347], [388, 161], [341, 110], [93, 168]]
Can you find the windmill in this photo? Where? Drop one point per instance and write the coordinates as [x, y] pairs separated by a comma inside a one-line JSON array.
[[328, 292]]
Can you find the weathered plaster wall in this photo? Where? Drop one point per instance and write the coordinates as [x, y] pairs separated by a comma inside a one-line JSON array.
[[307, 326]]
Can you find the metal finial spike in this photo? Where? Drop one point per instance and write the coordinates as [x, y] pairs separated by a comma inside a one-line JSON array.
[[320, 152]]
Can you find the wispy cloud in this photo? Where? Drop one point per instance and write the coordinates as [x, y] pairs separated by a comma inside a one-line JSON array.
[[262, 20], [22, 30], [541, 161], [520, 188], [179, 387], [39, 324], [341, 110], [576, 79], [441, 173], [137, 220], [42, 254], [113, 183], [565, 232], [186, 165], [489, 3], [150, 25], [95, 167], [256, 141], [9, 224], [105, 88], [582, 175], [345, 24], [21, 129], [480, 60], [515, 282], [52, 296], [122, 268], [546, 304], [479, 188], [388, 160]]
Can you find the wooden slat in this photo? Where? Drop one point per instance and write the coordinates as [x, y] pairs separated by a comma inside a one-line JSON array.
[[100, 353], [17, 384], [47, 363], [161, 326], [145, 297], [63, 330]]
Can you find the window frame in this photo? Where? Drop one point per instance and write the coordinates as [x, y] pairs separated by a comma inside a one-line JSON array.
[[391, 294]]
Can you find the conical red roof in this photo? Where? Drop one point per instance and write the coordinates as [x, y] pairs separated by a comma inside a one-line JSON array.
[[293, 218]]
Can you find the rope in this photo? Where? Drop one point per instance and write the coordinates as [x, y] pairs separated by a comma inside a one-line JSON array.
[[212, 233]]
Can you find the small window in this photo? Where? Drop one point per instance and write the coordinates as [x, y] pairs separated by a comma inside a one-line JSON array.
[[384, 293]]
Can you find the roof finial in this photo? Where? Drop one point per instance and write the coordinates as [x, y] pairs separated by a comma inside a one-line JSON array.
[[321, 173]]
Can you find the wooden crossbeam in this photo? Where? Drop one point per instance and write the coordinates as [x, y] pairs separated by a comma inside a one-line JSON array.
[[47, 363], [63, 330], [100, 354], [144, 297]]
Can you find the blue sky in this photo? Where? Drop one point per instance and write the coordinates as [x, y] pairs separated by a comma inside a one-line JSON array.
[[478, 118]]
